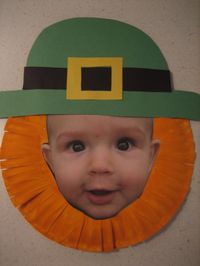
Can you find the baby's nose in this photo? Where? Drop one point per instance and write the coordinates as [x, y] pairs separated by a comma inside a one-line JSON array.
[[101, 162]]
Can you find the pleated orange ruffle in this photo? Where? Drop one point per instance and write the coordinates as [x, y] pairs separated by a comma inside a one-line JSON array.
[[33, 191]]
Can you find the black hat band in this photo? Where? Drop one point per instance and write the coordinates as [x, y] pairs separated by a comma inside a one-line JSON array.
[[98, 79]]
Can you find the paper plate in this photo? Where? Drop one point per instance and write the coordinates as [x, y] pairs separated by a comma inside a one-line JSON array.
[[33, 190]]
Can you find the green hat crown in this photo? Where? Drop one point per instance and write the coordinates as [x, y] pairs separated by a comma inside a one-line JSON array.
[[95, 37]]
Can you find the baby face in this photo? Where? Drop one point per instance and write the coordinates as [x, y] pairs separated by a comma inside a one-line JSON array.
[[101, 163]]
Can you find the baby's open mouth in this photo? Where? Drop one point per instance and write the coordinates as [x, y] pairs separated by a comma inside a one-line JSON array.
[[100, 196], [100, 192]]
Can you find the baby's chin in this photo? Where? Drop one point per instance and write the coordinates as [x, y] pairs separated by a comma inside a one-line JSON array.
[[99, 213], [101, 216]]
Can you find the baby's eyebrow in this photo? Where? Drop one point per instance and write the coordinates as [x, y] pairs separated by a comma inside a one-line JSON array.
[[70, 134], [130, 129]]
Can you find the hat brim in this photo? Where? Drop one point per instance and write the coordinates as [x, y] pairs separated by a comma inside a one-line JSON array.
[[176, 104]]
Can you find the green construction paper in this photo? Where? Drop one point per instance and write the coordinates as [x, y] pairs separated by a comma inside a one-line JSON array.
[[177, 104], [95, 37]]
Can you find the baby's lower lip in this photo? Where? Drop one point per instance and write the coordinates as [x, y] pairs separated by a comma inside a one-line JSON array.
[[100, 197]]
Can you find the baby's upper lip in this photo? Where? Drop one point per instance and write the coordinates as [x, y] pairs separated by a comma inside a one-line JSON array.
[[100, 192]]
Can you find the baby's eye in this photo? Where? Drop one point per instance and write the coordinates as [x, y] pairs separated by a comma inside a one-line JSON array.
[[124, 144], [76, 146]]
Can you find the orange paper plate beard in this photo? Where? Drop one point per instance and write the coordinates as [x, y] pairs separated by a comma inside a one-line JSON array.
[[33, 190]]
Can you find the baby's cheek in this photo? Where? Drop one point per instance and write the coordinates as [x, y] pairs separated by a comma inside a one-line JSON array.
[[135, 178], [133, 186], [63, 177], [67, 187]]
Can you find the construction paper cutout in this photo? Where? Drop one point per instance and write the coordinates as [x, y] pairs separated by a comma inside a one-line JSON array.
[[134, 79], [45, 78], [74, 91], [175, 104], [91, 38], [33, 191], [95, 37], [96, 78]]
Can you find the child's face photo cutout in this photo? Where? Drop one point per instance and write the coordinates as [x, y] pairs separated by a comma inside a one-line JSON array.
[[100, 163]]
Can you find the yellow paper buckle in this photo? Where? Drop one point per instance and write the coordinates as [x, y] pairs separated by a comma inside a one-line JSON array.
[[75, 64]]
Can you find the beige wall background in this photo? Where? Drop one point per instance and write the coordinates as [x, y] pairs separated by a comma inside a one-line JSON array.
[[175, 26]]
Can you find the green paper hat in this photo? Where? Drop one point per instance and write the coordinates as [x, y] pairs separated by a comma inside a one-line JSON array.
[[101, 67]]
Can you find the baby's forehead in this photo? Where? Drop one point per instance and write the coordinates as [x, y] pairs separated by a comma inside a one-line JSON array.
[[56, 122]]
